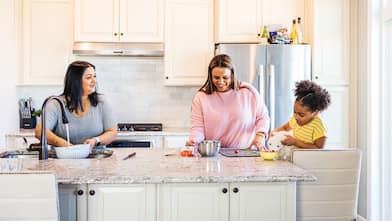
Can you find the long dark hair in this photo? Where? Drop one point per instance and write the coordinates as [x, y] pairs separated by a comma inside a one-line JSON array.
[[73, 86], [221, 61]]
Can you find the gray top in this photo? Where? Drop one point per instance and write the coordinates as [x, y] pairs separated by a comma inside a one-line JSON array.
[[95, 122]]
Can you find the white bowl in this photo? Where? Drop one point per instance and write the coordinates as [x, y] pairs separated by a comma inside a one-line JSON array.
[[73, 152]]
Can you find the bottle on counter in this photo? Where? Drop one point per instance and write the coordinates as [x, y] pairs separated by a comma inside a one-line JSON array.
[[264, 35], [294, 33], [299, 31]]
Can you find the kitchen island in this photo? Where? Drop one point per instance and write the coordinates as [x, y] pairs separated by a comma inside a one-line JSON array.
[[158, 184]]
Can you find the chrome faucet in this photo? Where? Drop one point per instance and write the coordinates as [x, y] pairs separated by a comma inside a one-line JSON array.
[[44, 148]]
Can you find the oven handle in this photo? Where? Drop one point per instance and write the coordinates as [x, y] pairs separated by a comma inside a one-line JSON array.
[[124, 143]]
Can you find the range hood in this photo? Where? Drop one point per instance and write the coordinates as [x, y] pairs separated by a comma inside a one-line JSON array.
[[118, 49]]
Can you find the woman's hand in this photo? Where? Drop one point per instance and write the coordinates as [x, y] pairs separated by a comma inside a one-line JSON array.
[[92, 142], [258, 141], [289, 140], [190, 143]]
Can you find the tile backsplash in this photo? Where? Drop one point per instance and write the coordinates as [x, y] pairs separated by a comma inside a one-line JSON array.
[[135, 89]]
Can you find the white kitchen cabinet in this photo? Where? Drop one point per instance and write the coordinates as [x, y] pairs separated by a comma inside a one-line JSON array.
[[234, 202], [73, 202], [194, 202], [243, 20], [119, 20], [46, 37], [331, 68], [337, 117], [107, 202], [174, 141], [189, 43]]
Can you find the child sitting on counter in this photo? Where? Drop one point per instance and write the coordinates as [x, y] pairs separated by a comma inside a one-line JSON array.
[[308, 129]]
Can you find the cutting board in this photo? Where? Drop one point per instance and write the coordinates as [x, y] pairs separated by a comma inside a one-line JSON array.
[[230, 152]]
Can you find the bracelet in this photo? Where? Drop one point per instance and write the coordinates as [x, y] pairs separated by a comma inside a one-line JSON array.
[[97, 141], [260, 133]]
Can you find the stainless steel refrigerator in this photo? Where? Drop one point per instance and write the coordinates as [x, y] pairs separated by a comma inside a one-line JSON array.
[[273, 70]]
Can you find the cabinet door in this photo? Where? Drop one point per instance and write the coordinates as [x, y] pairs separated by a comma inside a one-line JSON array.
[[141, 21], [107, 202], [262, 201], [47, 41], [97, 21], [331, 42], [238, 21], [73, 202], [188, 41], [337, 117], [175, 141], [194, 202]]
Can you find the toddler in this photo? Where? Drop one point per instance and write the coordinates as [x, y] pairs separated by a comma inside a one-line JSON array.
[[308, 129]]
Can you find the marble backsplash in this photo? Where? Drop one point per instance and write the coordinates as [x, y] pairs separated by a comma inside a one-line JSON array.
[[135, 88]]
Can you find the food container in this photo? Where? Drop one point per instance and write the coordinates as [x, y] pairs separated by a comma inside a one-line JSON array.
[[73, 152], [269, 155], [209, 148]]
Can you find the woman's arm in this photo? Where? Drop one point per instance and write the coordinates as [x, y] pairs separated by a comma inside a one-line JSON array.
[[51, 137], [197, 122], [105, 138]]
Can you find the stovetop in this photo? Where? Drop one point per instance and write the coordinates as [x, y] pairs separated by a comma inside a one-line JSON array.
[[139, 127]]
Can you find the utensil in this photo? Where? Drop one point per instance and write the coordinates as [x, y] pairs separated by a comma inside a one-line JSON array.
[[209, 148], [129, 156]]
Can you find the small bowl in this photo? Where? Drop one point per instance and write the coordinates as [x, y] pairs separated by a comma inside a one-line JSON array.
[[79, 151], [269, 155], [209, 148]]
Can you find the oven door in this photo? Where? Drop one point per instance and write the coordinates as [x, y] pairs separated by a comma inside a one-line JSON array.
[[130, 143]]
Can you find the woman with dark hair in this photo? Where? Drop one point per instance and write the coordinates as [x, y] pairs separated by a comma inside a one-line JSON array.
[[90, 118], [228, 110]]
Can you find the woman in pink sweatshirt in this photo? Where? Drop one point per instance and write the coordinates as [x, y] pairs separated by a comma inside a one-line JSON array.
[[228, 110]]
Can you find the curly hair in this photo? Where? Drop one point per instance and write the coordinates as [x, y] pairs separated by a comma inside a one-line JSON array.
[[311, 95]]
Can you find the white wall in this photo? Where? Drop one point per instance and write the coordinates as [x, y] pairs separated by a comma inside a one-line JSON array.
[[135, 88], [8, 72]]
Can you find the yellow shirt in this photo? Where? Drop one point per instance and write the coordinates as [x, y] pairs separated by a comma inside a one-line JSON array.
[[309, 132]]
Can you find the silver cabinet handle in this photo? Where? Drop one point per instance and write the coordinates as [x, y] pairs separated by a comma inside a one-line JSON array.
[[262, 82]]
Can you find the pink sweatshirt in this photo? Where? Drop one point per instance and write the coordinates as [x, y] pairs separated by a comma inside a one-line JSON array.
[[232, 117]]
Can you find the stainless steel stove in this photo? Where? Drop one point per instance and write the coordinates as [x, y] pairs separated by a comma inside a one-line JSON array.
[[139, 127]]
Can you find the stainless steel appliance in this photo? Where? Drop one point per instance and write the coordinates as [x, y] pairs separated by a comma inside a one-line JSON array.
[[26, 119], [273, 69], [131, 127]]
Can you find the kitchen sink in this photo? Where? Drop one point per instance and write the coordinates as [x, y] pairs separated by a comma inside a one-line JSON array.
[[25, 154], [20, 154]]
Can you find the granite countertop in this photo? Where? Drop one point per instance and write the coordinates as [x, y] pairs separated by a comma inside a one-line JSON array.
[[153, 166], [165, 132]]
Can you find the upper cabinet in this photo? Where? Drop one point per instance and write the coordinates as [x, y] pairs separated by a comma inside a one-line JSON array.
[[331, 62], [46, 41], [189, 42], [242, 20], [331, 41], [119, 20]]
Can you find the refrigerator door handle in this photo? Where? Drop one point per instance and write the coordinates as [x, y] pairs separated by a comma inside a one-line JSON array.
[[272, 94], [262, 82]]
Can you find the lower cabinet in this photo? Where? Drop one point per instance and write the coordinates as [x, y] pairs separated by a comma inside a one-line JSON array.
[[107, 202], [234, 202], [178, 202], [73, 202], [119, 202]]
